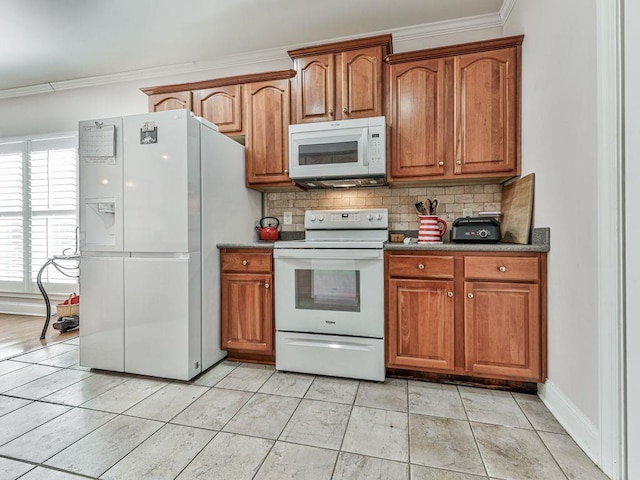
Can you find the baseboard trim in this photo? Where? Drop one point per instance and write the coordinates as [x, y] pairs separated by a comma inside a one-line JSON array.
[[585, 433], [14, 307]]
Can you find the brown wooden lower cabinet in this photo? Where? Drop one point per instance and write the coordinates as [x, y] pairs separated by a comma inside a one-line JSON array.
[[247, 304], [502, 329], [422, 315], [486, 320]]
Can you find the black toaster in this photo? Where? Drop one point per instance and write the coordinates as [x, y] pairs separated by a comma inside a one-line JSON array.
[[475, 230]]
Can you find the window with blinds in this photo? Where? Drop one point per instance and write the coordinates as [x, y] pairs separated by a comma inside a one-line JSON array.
[[38, 210]]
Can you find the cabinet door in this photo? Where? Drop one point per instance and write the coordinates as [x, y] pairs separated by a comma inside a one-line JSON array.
[[502, 330], [170, 101], [486, 100], [247, 313], [421, 333], [417, 119], [222, 106], [361, 92], [267, 139], [315, 88]]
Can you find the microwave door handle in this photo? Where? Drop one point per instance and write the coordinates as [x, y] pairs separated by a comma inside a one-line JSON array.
[[365, 147]]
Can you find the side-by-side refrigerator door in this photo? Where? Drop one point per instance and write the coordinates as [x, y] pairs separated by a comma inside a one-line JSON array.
[[161, 182], [101, 208], [102, 312]]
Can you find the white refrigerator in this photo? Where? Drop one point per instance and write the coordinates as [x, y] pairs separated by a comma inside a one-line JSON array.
[[158, 191]]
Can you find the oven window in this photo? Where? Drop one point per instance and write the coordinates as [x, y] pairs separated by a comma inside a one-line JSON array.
[[337, 290], [328, 153]]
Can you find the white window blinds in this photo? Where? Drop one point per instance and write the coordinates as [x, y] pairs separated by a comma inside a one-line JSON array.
[[12, 215], [38, 212]]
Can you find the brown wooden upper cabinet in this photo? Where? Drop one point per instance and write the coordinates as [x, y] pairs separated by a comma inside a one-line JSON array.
[[340, 80], [257, 106], [222, 106], [219, 101], [267, 139], [455, 112], [160, 102]]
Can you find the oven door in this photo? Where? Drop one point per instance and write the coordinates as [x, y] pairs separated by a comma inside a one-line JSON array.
[[330, 153], [338, 292]]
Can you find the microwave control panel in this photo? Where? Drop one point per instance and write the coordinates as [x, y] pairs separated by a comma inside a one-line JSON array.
[[377, 147]]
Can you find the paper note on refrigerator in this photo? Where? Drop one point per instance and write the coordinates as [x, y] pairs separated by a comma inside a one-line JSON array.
[[97, 141]]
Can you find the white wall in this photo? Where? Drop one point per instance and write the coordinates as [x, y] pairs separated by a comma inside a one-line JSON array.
[[559, 144], [632, 160]]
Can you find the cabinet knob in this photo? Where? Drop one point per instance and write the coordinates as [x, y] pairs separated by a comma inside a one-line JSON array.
[[441, 163], [449, 294], [502, 268], [344, 110], [245, 262], [470, 295], [266, 285], [458, 162], [286, 171], [421, 266], [331, 111]]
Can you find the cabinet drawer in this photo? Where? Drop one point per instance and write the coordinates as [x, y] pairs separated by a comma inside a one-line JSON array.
[[421, 266], [247, 262], [502, 268]]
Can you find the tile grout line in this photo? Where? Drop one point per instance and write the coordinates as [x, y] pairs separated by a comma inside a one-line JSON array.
[[540, 438], [473, 433], [346, 428]]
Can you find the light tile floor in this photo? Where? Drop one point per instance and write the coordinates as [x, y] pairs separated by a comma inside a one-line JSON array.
[[60, 421]]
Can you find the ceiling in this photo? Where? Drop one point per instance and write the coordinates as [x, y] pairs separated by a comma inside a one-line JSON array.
[[43, 42]]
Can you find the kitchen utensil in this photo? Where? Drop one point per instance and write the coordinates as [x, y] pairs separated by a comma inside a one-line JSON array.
[[269, 232], [433, 204], [421, 208], [430, 231]]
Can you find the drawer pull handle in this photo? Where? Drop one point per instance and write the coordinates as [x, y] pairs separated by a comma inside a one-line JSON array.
[[450, 294], [458, 162], [421, 266], [266, 285], [331, 111], [344, 110], [245, 262], [286, 171], [503, 268], [470, 295], [441, 163]]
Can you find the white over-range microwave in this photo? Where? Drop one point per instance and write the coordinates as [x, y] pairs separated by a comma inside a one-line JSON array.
[[342, 153]]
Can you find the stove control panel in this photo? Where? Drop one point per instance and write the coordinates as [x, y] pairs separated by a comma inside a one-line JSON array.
[[361, 219]]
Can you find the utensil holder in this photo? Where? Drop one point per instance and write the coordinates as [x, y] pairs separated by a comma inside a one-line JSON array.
[[430, 231]]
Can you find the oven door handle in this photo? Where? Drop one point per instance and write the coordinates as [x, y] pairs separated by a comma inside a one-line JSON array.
[[329, 253]]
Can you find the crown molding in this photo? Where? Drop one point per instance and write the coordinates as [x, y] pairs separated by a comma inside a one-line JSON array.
[[447, 27], [24, 91], [264, 56], [505, 10]]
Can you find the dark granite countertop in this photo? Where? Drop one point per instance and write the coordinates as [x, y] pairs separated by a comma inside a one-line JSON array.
[[540, 242]]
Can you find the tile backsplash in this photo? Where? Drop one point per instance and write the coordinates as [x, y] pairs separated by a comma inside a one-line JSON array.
[[399, 201]]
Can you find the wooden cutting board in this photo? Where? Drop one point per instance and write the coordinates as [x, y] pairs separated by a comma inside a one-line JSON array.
[[517, 210]]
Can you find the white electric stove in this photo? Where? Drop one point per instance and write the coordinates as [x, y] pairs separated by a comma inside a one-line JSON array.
[[329, 295]]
